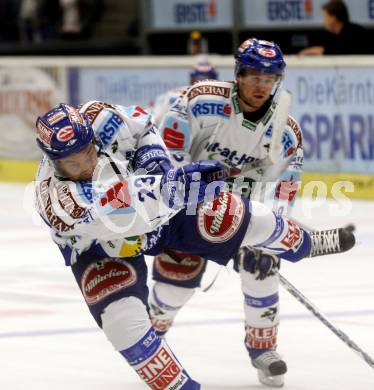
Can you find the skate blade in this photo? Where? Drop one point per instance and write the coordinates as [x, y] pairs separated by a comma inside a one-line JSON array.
[[271, 381]]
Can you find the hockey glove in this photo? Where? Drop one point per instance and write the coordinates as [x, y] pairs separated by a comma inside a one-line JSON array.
[[152, 158], [256, 262], [188, 185]]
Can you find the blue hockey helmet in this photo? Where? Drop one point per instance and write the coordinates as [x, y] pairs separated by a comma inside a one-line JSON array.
[[259, 55], [203, 71], [63, 131]]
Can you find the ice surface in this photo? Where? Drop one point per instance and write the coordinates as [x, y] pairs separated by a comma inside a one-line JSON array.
[[48, 339]]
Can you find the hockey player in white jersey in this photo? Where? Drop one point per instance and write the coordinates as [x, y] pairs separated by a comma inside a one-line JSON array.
[[234, 123], [106, 187], [203, 70]]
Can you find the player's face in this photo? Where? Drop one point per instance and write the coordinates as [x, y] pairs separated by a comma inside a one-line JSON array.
[[255, 88], [81, 165]]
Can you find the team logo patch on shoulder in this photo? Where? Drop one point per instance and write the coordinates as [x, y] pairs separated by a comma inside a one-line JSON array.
[[106, 277], [207, 89], [219, 220]]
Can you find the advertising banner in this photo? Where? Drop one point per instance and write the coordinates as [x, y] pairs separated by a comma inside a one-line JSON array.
[[192, 14], [26, 93], [332, 104], [334, 107], [299, 13], [131, 86]]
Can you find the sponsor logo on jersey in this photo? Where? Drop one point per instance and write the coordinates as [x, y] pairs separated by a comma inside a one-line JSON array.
[[296, 129], [219, 220], [94, 109], [131, 246], [109, 128], [46, 202], [261, 338], [44, 133], [117, 196], [85, 189], [189, 266], [287, 189], [68, 203], [65, 134], [293, 236], [106, 277], [174, 139], [211, 108], [138, 111], [231, 156], [287, 142], [176, 134], [162, 371], [206, 89]]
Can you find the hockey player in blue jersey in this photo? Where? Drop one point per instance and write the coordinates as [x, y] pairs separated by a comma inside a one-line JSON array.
[[110, 195]]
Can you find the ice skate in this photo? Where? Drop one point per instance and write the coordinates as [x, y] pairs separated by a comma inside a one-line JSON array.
[[327, 242], [270, 369]]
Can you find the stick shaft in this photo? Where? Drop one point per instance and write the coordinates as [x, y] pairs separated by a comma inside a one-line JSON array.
[[317, 313]]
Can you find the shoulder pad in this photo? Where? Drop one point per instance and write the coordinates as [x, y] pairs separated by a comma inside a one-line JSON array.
[[93, 108], [209, 88], [294, 126]]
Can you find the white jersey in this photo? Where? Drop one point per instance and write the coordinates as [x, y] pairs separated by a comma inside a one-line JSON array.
[[206, 122], [116, 208], [164, 102]]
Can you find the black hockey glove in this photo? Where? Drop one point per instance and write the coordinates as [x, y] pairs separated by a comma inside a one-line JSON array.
[[256, 262]]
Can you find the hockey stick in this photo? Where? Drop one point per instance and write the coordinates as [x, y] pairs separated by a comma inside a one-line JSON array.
[[279, 123], [350, 227], [317, 313]]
